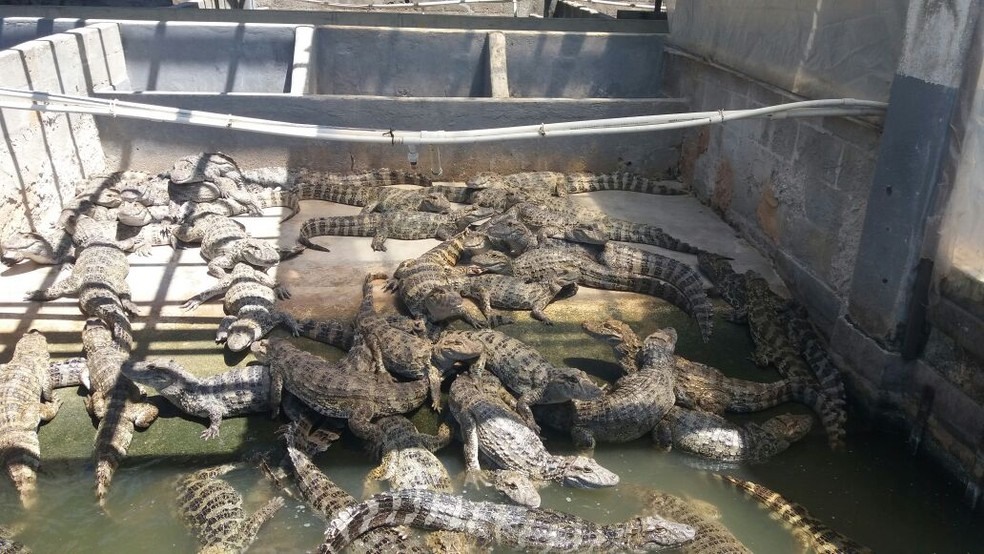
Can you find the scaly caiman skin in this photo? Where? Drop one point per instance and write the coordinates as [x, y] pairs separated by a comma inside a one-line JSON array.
[[562, 184], [98, 278], [518, 527], [8, 545], [712, 537], [728, 284], [403, 225], [813, 532], [224, 243], [25, 401], [250, 297], [69, 372], [214, 510], [347, 388], [376, 199], [372, 178], [488, 424], [712, 437], [495, 290], [633, 407], [215, 168], [51, 248], [114, 400], [238, 391]]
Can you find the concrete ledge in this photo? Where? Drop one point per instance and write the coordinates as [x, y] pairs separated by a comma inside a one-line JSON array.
[[302, 71]]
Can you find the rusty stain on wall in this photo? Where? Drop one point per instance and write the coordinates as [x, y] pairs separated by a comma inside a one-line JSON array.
[[768, 210], [694, 146], [724, 178]]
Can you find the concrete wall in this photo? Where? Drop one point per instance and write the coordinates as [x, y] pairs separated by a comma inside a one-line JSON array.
[[15, 30], [44, 155]]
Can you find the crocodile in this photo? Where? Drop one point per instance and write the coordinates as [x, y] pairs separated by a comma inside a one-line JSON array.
[[114, 400], [217, 169], [214, 510], [98, 278], [490, 426], [249, 300], [396, 350], [328, 499], [712, 437], [621, 257], [69, 372], [8, 545], [52, 247], [346, 388], [399, 225], [773, 347], [712, 537], [728, 284], [561, 184], [633, 407], [376, 198], [699, 386], [224, 243], [543, 263], [524, 371], [518, 527], [238, 391], [26, 400], [814, 533]]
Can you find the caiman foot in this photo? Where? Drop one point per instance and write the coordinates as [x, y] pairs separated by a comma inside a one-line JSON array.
[[210, 433]]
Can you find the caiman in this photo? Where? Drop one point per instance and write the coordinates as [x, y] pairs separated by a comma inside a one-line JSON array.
[[214, 510], [490, 426], [712, 537], [633, 407], [238, 391], [98, 278], [114, 400], [376, 198], [249, 302], [52, 247], [69, 372], [215, 168], [712, 437], [8, 545], [26, 400], [225, 242], [814, 533], [347, 388], [402, 225], [372, 178], [518, 527]]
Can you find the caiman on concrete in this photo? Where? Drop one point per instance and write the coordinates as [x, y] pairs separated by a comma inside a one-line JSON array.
[[712, 537], [214, 510], [518, 527], [814, 533], [52, 247], [561, 184], [376, 198], [25, 401], [249, 302], [215, 168], [224, 243], [238, 391]]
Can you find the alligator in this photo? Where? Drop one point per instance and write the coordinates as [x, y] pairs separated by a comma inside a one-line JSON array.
[[518, 527], [773, 347], [490, 426], [8, 545], [224, 243], [698, 386], [561, 184], [327, 331], [633, 407], [425, 286], [26, 400], [346, 388], [372, 178], [48, 248], [328, 499], [712, 437], [396, 350], [712, 537], [621, 257], [813, 532], [69, 372], [214, 510], [98, 278], [524, 371], [398, 225], [249, 300], [728, 284], [375, 198], [543, 263], [217, 169], [114, 400], [238, 391]]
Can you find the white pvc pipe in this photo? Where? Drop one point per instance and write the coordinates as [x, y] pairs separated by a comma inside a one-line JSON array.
[[59, 103], [405, 5], [650, 7]]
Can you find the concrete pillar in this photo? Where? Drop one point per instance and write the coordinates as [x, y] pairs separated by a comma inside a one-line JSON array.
[[498, 72], [913, 147]]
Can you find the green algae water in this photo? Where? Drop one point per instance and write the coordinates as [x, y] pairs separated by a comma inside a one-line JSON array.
[[873, 492]]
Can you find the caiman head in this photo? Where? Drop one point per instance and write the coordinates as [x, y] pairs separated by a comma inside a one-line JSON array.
[[612, 331], [157, 374], [32, 348], [485, 179], [517, 486], [568, 383], [585, 473], [435, 202], [189, 169], [27, 246], [493, 261], [106, 197], [452, 349], [242, 334], [510, 233], [655, 533], [261, 350], [259, 253], [134, 214], [789, 427], [589, 233], [658, 348], [443, 303]]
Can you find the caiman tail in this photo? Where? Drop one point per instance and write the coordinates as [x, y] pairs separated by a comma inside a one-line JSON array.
[[345, 226], [623, 181], [628, 231]]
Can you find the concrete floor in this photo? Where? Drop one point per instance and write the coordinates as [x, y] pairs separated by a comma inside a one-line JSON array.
[[329, 285]]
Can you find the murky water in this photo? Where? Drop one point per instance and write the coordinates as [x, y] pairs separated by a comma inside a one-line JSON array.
[[873, 492]]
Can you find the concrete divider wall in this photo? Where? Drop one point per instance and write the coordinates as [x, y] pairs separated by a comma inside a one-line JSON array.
[[44, 155], [16, 30]]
